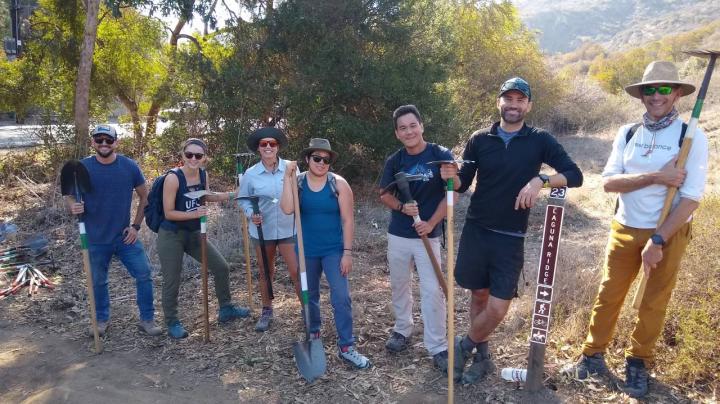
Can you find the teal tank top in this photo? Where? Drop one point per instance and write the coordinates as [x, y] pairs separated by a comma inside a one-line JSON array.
[[321, 222]]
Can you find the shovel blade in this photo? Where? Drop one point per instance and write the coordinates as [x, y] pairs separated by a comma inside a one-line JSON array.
[[310, 359]]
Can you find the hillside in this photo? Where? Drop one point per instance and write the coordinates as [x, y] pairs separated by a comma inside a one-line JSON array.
[[617, 24]]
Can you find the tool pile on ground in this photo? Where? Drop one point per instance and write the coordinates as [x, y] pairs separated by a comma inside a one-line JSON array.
[[20, 264]]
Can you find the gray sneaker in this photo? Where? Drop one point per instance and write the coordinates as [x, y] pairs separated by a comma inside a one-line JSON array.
[[149, 328], [264, 321], [481, 367], [397, 342], [440, 360], [587, 366], [461, 358], [102, 327]]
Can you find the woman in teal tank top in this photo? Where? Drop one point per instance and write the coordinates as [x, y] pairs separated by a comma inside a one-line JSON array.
[[326, 213]]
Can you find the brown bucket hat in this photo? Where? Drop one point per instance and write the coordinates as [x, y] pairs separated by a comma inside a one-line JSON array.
[[320, 144], [660, 72]]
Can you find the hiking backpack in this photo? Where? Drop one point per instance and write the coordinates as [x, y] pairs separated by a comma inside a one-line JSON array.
[[154, 213]]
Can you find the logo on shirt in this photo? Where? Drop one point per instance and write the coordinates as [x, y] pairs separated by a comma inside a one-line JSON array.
[[421, 169]]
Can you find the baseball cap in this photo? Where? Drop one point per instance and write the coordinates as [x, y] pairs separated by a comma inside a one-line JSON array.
[[104, 129], [517, 84]]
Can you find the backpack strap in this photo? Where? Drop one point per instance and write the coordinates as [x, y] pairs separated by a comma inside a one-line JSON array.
[[332, 182], [635, 127]]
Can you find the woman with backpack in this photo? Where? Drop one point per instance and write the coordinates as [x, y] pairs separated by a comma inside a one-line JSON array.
[[265, 179], [179, 234], [326, 213]]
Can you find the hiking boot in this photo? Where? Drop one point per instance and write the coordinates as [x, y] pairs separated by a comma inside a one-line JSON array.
[[231, 312], [461, 358], [353, 357], [586, 367], [440, 360], [636, 378], [397, 342], [149, 328], [176, 330], [102, 327], [482, 366], [264, 321]]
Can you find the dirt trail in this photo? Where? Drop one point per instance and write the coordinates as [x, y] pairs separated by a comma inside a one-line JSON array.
[[38, 366]]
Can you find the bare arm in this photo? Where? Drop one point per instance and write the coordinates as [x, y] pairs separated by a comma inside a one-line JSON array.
[[669, 175], [142, 192], [347, 216], [652, 254], [286, 199]]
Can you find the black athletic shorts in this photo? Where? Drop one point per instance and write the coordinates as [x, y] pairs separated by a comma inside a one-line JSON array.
[[488, 259]]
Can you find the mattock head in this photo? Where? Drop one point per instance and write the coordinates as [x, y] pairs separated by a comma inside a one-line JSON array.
[[703, 53]]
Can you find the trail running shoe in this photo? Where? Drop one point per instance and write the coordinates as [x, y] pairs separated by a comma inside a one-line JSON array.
[[149, 328], [482, 366], [353, 357], [636, 378], [231, 312], [586, 367], [264, 321], [176, 330], [396, 342]]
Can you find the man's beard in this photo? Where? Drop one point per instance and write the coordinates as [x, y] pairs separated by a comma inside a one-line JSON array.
[[104, 154], [506, 118]]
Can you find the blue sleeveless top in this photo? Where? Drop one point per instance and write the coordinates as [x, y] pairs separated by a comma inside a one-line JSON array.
[[321, 222]]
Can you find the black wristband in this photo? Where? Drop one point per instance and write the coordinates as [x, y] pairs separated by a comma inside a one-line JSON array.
[[135, 226]]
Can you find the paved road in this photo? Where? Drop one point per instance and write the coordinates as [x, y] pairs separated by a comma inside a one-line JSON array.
[[14, 136]]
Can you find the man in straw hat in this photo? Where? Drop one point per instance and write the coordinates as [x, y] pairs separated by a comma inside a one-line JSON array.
[[641, 167]]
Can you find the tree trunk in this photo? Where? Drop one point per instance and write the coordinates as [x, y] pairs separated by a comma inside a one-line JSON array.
[[138, 141], [82, 85]]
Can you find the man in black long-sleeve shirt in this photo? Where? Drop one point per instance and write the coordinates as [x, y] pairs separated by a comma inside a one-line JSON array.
[[506, 161]]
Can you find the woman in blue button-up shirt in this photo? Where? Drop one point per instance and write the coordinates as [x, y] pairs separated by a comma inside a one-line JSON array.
[[265, 179]]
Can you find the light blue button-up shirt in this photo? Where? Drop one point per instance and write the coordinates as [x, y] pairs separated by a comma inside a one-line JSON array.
[[257, 180]]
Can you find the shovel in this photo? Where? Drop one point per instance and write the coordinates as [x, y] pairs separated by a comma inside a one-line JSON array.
[[254, 200], [75, 181], [309, 354], [33, 246]]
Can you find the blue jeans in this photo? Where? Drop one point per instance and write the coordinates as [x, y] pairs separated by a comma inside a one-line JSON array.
[[339, 296], [137, 264]]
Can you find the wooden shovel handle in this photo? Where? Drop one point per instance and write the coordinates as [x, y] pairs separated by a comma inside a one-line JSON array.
[[91, 298]]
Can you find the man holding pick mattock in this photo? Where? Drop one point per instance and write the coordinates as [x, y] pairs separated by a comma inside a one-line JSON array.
[[641, 167], [406, 237], [506, 160]]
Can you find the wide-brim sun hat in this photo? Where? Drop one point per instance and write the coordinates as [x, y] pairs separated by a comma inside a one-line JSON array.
[[320, 144], [269, 132], [660, 72]]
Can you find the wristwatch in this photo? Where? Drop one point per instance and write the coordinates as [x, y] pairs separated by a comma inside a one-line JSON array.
[[135, 226], [657, 240], [545, 179]]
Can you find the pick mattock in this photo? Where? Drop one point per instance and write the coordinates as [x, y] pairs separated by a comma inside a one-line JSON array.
[[244, 225], [255, 202], [309, 354], [403, 186], [75, 181], [684, 151]]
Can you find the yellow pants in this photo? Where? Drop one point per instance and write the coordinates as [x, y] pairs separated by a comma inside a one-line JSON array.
[[623, 261]]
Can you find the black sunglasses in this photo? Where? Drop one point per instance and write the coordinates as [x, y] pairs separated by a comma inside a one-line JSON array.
[[198, 156], [107, 140], [317, 158]]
